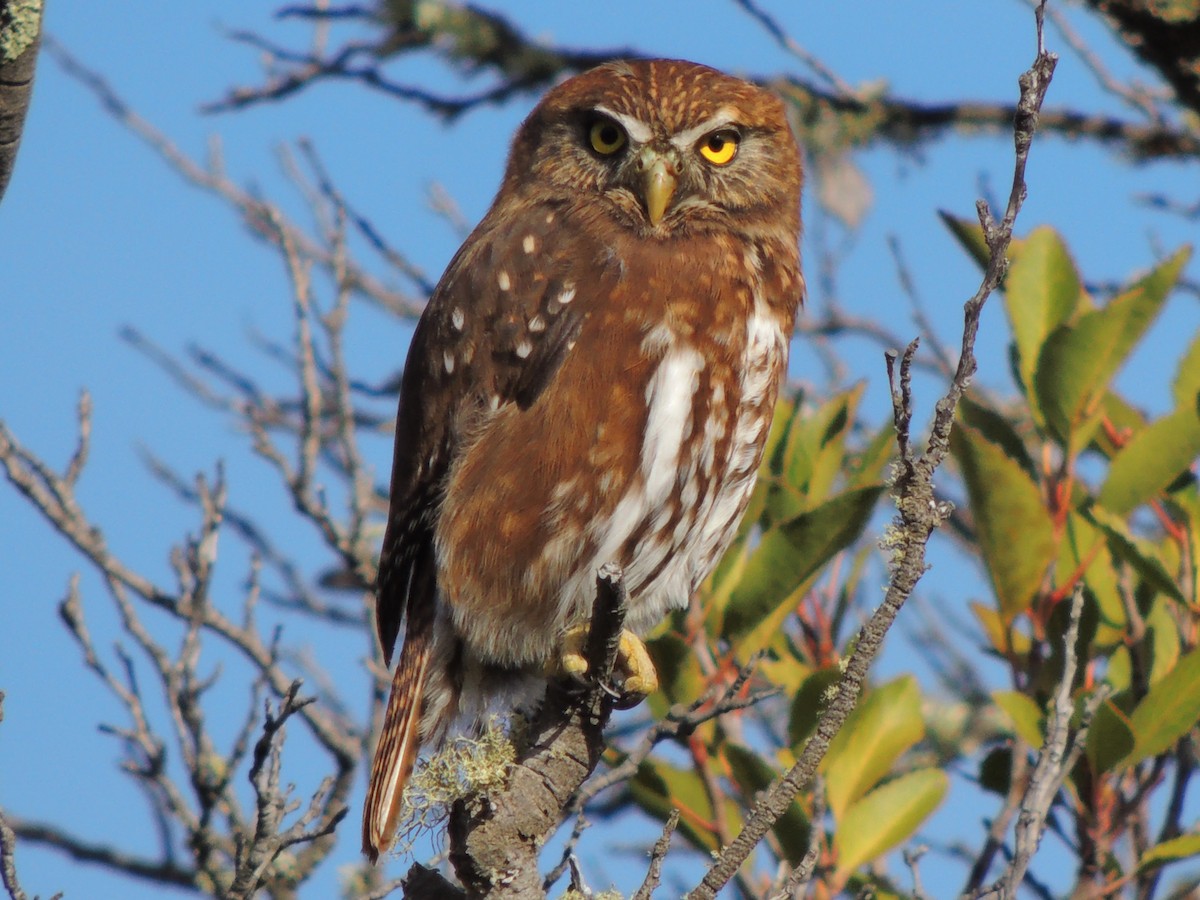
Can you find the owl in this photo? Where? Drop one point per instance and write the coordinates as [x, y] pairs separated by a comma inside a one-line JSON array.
[[592, 381]]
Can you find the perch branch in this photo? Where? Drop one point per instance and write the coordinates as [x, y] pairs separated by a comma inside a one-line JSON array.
[[495, 840]]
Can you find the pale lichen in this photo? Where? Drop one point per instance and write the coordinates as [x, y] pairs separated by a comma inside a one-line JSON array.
[[462, 768], [20, 23]]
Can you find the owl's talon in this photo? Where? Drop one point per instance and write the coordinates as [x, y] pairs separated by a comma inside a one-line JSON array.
[[572, 662], [634, 670]]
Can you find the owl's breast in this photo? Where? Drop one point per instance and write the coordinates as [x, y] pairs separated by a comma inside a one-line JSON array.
[[642, 451]]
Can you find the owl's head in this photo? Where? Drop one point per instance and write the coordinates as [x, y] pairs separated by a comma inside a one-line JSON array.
[[665, 146]]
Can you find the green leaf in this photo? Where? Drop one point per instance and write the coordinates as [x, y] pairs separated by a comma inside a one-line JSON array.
[[969, 234], [679, 675], [1041, 292], [1026, 716], [1164, 640], [997, 429], [886, 723], [1184, 506], [1079, 359], [813, 456], [752, 774], [1138, 552], [887, 817], [786, 560], [808, 702], [1169, 711], [1186, 386], [1183, 847], [1015, 531], [1110, 738], [1085, 548], [867, 466], [1152, 460]]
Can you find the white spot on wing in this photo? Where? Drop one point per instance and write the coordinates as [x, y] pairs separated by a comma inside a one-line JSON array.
[[529, 244], [503, 280], [448, 361], [568, 294], [524, 349], [457, 318], [536, 324], [658, 339]]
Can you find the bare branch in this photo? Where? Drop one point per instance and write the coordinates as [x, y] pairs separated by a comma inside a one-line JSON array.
[[788, 43], [657, 855], [1054, 761], [471, 38], [264, 220], [155, 872]]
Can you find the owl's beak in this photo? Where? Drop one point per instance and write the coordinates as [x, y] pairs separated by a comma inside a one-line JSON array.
[[660, 188]]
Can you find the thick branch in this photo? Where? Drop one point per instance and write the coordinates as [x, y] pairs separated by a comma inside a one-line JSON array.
[[495, 840], [20, 38]]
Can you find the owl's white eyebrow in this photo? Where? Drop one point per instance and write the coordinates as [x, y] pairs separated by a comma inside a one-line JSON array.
[[636, 129], [684, 139]]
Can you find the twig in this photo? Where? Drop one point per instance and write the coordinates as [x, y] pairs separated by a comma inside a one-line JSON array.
[[911, 859], [581, 825], [998, 827], [679, 722], [657, 855], [8, 864], [1136, 96], [519, 63], [941, 356], [788, 43], [1054, 761], [254, 212], [77, 848], [798, 879]]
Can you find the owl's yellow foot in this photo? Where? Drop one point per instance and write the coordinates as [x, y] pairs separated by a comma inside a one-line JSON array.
[[634, 668]]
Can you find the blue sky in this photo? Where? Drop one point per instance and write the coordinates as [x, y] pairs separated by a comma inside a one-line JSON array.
[[97, 234]]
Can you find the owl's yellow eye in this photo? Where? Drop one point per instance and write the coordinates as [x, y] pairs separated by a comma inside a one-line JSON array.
[[606, 137], [720, 147]]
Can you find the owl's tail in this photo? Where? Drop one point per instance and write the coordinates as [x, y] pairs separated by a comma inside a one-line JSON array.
[[399, 741]]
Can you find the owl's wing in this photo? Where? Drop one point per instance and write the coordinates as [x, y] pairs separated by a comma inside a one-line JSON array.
[[496, 330]]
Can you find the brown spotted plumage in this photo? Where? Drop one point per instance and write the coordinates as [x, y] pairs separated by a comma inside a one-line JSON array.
[[591, 382]]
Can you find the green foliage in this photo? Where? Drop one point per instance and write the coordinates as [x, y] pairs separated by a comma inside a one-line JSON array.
[[1079, 488], [886, 723], [1014, 529], [1169, 711], [1080, 357], [1073, 486], [887, 817]]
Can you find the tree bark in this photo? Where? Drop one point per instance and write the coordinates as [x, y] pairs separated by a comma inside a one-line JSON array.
[[20, 38]]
